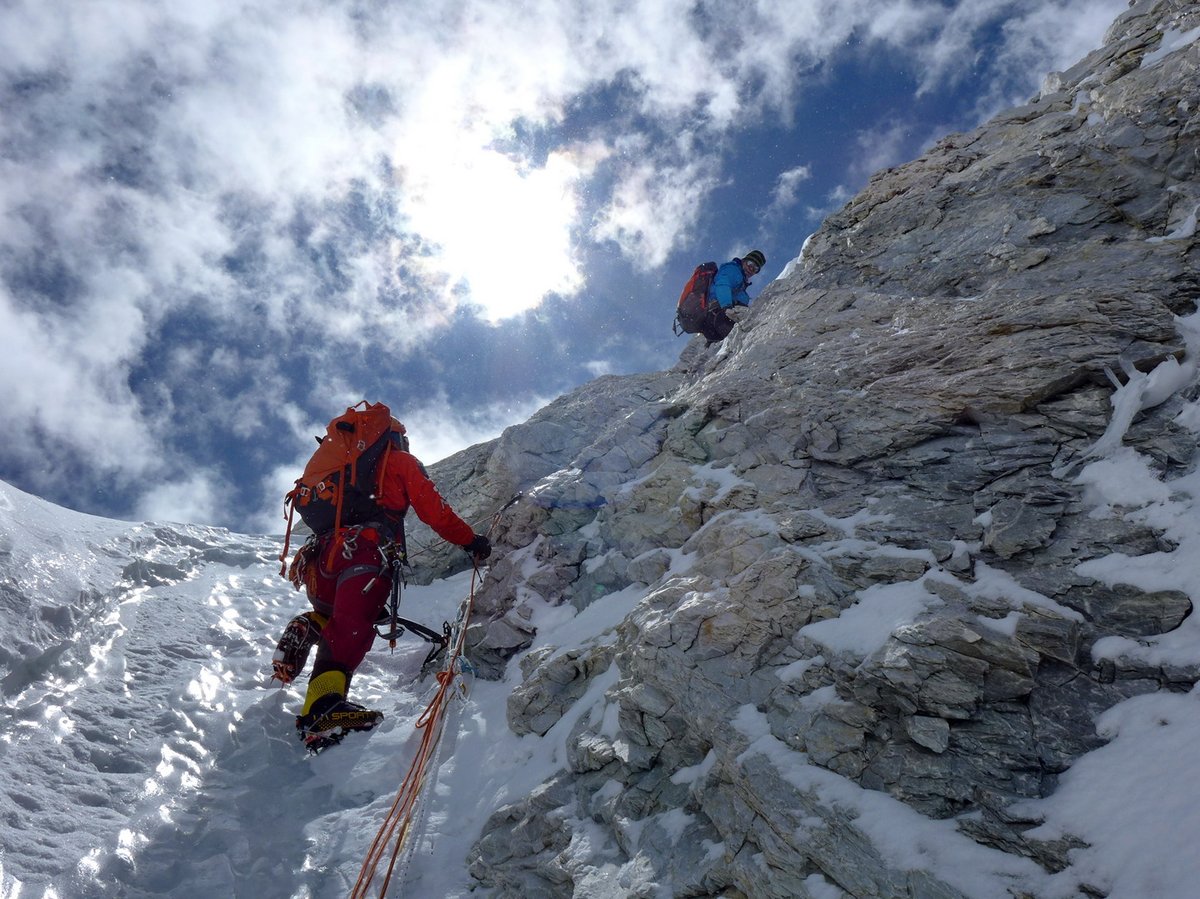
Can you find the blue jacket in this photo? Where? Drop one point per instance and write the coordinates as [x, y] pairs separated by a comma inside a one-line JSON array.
[[729, 285]]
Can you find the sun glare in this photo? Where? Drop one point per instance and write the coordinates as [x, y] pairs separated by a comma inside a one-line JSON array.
[[501, 230]]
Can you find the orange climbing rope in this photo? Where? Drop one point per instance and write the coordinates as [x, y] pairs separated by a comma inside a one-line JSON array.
[[397, 824]]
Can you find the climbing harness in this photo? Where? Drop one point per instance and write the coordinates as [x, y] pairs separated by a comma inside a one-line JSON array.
[[395, 562]]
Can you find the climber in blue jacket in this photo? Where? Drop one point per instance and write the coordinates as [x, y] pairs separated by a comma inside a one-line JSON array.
[[728, 289]]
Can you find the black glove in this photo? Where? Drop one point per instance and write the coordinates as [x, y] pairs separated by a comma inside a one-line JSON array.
[[479, 547]]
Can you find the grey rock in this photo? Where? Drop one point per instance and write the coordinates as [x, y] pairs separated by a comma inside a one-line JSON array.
[[552, 685], [932, 733], [902, 418]]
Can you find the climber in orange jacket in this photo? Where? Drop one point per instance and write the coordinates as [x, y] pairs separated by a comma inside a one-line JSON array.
[[348, 580]]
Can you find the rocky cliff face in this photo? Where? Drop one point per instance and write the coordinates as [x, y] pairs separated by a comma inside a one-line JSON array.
[[898, 422]]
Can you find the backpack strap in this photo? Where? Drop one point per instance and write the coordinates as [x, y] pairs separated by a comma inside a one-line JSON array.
[[289, 506]]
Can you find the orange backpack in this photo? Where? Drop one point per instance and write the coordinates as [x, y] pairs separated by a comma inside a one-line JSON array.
[[693, 302], [340, 480]]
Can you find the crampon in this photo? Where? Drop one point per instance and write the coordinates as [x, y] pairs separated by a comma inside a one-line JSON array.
[[293, 648], [320, 730]]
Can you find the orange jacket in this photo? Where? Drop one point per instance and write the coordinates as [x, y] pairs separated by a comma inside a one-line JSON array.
[[404, 483]]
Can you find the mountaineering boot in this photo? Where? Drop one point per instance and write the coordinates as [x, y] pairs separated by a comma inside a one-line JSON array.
[[328, 716], [298, 638], [331, 719]]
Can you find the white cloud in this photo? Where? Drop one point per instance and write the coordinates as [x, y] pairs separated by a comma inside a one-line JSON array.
[[1037, 36], [787, 187], [255, 101], [1058, 35], [880, 148], [439, 429], [196, 500], [834, 200], [61, 392], [902, 23], [654, 204]]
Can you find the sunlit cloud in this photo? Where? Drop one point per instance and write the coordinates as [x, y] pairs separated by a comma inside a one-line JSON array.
[[488, 214], [439, 429]]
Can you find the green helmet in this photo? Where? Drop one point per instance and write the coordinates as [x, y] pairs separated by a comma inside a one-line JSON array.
[[757, 257]]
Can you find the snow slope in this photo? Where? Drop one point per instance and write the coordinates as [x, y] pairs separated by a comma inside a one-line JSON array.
[[147, 754]]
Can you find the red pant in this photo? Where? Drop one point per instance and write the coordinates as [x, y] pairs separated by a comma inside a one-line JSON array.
[[340, 587]]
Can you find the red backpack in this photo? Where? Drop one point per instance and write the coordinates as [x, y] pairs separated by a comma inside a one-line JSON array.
[[693, 302], [339, 482]]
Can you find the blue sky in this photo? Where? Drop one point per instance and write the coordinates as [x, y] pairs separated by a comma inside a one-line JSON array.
[[221, 225]]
